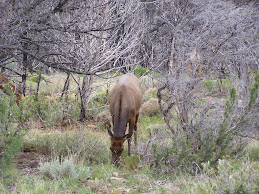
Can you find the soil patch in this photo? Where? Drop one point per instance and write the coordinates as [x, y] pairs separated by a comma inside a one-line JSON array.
[[28, 162]]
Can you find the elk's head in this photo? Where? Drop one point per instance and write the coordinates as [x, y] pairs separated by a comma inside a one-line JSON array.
[[116, 147]]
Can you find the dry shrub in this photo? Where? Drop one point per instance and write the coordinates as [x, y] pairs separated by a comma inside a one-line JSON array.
[[103, 120], [57, 170], [150, 93], [150, 108], [158, 130], [86, 145], [147, 82]]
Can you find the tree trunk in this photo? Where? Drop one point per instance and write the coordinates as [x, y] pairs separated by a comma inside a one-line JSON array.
[[25, 66], [84, 94], [38, 87], [66, 85]]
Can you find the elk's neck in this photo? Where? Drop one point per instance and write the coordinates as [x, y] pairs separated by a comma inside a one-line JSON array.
[[121, 115]]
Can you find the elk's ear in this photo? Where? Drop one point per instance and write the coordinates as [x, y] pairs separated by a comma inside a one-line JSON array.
[[109, 132]]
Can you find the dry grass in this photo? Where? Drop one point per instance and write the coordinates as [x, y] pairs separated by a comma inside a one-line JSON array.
[[150, 108]]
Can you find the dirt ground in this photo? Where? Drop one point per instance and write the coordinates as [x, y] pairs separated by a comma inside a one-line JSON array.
[[28, 162]]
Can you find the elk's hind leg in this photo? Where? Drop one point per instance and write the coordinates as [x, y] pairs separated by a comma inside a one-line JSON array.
[[135, 130], [131, 128]]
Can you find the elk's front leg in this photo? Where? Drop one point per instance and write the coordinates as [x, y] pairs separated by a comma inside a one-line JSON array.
[[129, 142]]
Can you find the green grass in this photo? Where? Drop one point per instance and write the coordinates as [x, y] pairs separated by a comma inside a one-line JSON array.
[[103, 178], [213, 85], [145, 122]]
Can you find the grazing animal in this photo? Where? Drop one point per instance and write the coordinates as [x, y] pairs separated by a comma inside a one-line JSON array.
[[7, 88], [125, 101]]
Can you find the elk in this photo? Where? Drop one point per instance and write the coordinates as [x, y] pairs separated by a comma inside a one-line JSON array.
[[125, 101], [8, 88]]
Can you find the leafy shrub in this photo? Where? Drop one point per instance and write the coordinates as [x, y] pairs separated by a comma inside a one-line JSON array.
[[189, 149], [139, 71], [49, 110], [99, 99], [213, 85], [226, 84], [96, 103], [35, 78], [174, 155], [57, 170], [210, 84], [84, 172], [11, 133]]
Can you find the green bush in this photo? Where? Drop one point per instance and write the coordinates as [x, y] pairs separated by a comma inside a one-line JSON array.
[[214, 85], [97, 100], [210, 84], [139, 71], [175, 155], [48, 110], [11, 134], [35, 78], [226, 84], [188, 150]]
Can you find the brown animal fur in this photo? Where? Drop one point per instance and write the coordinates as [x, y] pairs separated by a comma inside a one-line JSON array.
[[4, 84], [125, 101]]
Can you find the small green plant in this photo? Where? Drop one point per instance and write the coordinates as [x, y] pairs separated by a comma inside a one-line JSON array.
[[103, 172], [132, 162], [57, 170], [210, 84], [35, 78]]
